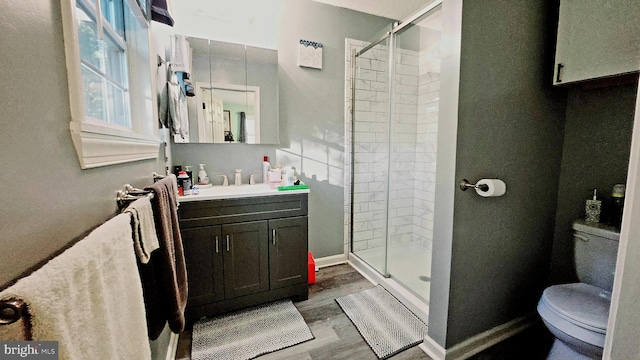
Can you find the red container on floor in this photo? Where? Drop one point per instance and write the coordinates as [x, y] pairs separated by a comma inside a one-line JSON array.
[[311, 265]]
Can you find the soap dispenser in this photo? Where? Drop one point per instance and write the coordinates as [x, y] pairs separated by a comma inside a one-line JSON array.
[[592, 209], [203, 179]]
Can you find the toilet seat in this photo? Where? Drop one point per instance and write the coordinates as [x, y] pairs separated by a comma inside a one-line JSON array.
[[580, 310]]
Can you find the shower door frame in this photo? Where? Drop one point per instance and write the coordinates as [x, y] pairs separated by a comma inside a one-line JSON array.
[[391, 35]]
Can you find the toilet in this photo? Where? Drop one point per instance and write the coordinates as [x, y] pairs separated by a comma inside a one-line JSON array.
[[577, 313]]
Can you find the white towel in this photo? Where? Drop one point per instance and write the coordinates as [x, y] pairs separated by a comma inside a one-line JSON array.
[[143, 227], [180, 54], [89, 298], [178, 120]]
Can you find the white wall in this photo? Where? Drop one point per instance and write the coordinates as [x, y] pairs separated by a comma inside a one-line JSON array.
[[624, 320]]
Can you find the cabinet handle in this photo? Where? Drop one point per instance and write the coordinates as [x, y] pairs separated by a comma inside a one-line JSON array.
[[558, 77], [217, 244], [227, 243], [273, 236]]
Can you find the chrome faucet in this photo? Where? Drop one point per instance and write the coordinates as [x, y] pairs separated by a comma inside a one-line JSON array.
[[252, 179], [225, 180]]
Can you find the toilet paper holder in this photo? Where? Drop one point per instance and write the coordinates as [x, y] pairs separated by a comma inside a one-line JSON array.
[[465, 184]]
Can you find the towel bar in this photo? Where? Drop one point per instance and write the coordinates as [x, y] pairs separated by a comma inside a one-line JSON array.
[[123, 197], [157, 176]]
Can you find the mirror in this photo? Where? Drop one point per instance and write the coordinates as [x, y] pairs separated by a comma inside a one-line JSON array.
[[235, 94]]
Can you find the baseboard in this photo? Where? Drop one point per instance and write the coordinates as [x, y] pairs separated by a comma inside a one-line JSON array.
[[172, 348], [476, 344], [433, 349], [330, 260]]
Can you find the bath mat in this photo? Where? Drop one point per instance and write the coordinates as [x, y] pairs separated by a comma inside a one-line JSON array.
[[384, 323], [249, 333]]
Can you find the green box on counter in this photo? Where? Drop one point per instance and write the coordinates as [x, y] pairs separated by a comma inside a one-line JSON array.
[[301, 186]]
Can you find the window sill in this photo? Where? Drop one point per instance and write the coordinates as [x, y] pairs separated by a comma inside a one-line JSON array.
[[101, 145]]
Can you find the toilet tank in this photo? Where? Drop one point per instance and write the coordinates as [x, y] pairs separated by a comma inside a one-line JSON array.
[[595, 252]]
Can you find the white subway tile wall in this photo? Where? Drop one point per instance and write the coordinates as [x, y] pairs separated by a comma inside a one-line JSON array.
[[409, 172]]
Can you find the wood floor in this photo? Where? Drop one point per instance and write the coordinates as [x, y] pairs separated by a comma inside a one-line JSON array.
[[337, 338]]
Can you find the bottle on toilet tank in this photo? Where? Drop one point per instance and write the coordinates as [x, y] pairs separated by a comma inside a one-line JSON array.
[[592, 209], [617, 204]]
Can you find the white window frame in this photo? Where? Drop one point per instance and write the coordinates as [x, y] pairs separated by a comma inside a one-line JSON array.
[[99, 143]]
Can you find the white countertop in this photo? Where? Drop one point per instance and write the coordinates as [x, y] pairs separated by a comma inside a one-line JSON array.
[[235, 192]]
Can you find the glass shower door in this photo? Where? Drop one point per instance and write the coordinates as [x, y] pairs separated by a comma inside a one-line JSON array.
[[370, 138], [413, 138]]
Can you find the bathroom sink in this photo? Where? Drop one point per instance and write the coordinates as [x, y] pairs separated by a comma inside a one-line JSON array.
[[233, 191]]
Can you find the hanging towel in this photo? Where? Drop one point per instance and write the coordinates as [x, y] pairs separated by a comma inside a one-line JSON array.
[[242, 132], [180, 54], [161, 12], [178, 120], [162, 79], [89, 298], [165, 276], [143, 228]]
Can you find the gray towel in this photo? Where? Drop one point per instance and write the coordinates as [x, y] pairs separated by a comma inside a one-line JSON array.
[[143, 228], [165, 276]]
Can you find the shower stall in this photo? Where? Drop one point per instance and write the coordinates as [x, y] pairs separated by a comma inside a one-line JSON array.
[[395, 106]]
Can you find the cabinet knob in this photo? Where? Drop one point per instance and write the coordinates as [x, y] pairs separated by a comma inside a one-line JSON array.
[[227, 242], [217, 244], [273, 236]]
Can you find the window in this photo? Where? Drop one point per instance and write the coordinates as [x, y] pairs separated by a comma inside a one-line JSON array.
[[110, 82]]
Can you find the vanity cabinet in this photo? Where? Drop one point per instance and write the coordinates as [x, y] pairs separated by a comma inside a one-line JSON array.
[[597, 39], [244, 252]]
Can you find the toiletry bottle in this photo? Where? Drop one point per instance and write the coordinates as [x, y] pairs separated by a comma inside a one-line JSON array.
[[287, 177], [184, 184], [203, 179], [177, 169], [617, 203], [187, 169], [592, 209], [265, 169], [238, 176]]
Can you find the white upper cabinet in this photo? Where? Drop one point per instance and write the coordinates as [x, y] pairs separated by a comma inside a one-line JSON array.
[[597, 39]]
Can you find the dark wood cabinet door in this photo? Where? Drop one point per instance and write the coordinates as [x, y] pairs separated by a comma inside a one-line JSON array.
[[246, 261], [288, 251], [203, 257]]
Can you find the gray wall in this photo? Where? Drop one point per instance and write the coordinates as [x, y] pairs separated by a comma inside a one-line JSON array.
[[311, 118], [47, 199], [510, 127], [597, 145], [511, 120]]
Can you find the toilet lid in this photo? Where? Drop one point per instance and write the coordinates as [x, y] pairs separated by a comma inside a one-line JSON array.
[[582, 304]]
